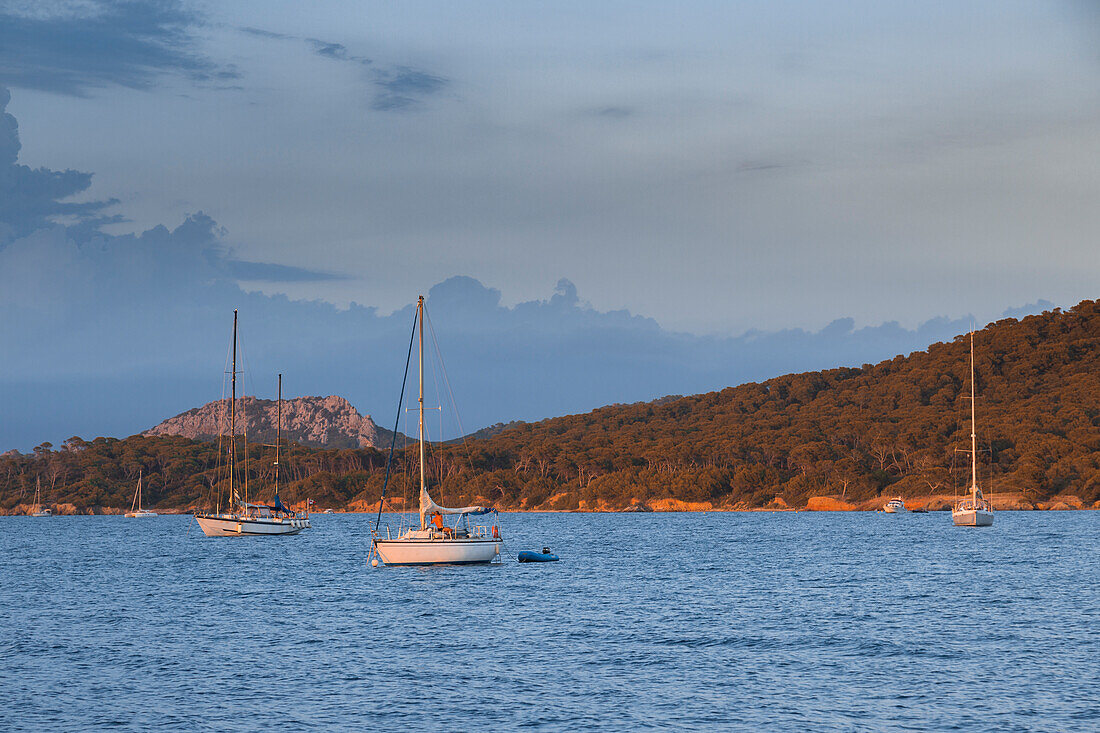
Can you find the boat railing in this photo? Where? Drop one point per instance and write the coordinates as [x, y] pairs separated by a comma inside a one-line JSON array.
[[967, 505], [473, 532]]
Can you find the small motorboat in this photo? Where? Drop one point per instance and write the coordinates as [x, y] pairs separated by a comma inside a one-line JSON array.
[[544, 556], [895, 506]]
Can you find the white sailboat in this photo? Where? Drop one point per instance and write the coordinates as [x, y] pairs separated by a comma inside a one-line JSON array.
[[243, 518], [973, 510], [434, 542], [37, 510], [136, 510]]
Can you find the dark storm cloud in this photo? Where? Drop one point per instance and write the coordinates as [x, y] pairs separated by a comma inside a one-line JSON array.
[[123, 43]]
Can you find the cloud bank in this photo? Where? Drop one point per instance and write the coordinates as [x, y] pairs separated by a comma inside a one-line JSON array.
[[108, 335]]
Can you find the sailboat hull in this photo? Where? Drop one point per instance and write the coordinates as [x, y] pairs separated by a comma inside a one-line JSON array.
[[229, 525], [972, 518], [437, 552]]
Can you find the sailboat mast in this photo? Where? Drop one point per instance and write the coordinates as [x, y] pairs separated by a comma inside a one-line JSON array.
[[973, 428], [233, 417], [278, 433], [420, 401]]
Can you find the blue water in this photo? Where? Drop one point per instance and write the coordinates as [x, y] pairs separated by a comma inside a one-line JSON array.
[[809, 622]]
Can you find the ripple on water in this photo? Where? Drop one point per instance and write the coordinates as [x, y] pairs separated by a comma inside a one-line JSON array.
[[815, 622]]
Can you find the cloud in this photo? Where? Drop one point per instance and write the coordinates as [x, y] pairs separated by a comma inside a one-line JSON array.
[[272, 273], [31, 199], [1029, 309], [107, 335], [97, 44], [403, 80], [333, 51], [395, 87], [749, 166], [328, 49], [156, 307], [614, 112], [262, 33]]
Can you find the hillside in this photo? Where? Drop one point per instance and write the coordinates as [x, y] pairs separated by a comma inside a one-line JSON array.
[[319, 422], [856, 434], [837, 438]]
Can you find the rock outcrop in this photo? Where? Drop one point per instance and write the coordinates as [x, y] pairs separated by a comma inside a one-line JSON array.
[[828, 504], [321, 422]]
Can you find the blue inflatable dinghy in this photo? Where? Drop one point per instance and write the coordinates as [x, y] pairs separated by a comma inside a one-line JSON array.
[[544, 556]]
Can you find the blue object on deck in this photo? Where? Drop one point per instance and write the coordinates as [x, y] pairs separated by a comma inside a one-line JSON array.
[[544, 556]]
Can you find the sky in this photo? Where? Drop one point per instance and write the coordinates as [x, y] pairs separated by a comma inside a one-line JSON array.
[[607, 201]]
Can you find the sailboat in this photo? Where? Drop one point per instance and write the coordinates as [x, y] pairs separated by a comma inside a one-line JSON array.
[[37, 510], [973, 510], [136, 510], [243, 518], [434, 542]]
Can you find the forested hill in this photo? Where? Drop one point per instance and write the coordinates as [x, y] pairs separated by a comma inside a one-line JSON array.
[[888, 428], [851, 435]]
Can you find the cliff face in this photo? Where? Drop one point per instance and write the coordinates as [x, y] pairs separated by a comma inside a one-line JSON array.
[[320, 422]]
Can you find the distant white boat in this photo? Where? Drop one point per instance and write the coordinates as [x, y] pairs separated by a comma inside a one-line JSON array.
[[435, 543], [973, 510], [328, 511], [37, 510], [244, 518], [895, 506], [136, 510]]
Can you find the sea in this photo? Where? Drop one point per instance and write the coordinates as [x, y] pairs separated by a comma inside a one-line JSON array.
[[695, 622]]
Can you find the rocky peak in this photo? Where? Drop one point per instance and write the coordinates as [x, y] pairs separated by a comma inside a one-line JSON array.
[[322, 422]]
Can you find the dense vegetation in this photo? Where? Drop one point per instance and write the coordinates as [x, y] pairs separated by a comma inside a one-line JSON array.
[[851, 433]]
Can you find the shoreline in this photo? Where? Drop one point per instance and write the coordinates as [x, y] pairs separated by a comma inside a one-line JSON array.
[[97, 511]]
